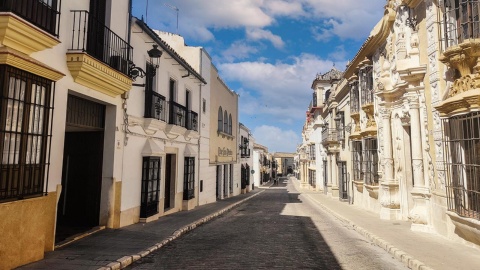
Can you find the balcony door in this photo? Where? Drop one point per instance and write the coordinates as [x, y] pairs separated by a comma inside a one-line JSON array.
[[96, 42]]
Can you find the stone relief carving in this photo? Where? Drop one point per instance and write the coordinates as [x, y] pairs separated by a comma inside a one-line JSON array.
[[432, 51]]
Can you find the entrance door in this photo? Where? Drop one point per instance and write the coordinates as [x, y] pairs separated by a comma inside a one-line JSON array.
[[79, 203], [169, 194], [342, 173]]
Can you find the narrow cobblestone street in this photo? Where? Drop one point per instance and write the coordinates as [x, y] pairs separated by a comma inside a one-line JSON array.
[[273, 230]]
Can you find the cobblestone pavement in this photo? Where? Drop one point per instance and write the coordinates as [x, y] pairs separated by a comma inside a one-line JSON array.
[[274, 230]]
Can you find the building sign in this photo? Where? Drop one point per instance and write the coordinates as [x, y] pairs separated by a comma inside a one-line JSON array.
[[224, 152]]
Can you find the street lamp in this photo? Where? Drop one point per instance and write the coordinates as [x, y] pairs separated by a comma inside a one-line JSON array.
[[154, 55]]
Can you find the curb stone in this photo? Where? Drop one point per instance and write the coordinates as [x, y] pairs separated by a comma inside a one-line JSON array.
[[398, 254], [129, 259]]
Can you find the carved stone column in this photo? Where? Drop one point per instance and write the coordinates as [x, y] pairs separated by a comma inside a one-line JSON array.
[[388, 195], [420, 193]]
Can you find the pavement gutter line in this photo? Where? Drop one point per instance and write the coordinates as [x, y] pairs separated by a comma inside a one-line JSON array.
[[398, 254], [129, 259]]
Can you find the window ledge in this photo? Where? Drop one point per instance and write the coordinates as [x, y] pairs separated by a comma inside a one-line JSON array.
[[372, 190], [228, 136], [467, 228]]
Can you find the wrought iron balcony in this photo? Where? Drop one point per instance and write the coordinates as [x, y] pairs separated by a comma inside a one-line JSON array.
[[37, 12], [329, 135], [178, 114], [192, 121], [93, 37], [155, 106]]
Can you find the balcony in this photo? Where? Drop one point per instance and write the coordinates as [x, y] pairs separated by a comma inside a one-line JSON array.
[[192, 121], [98, 58], [155, 106], [28, 26], [177, 114]]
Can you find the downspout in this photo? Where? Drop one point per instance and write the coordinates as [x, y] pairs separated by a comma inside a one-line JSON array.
[[200, 112]]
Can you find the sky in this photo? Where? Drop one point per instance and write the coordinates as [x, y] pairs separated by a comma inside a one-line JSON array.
[[269, 51]]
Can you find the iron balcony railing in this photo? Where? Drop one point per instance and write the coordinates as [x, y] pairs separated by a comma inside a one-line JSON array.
[[192, 121], [367, 85], [245, 153], [460, 21], [177, 115], [43, 15], [354, 98], [93, 37], [155, 106], [329, 135]]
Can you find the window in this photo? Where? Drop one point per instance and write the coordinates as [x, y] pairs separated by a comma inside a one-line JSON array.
[[366, 79], [370, 158], [460, 21], [312, 151], [189, 178], [204, 106], [26, 104], [225, 121], [220, 119], [154, 102], [462, 155], [314, 104], [173, 90], [230, 124], [354, 98], [340, 123], [150, 186], [357, 160]]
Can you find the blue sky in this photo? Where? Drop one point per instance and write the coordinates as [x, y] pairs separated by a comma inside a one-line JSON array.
[[269, 51]]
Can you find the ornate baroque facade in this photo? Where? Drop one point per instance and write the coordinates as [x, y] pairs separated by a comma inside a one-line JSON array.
[[411, 125]]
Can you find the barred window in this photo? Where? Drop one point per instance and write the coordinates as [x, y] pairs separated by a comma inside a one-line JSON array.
[[151, 175], [312, 151], [354, 98], [460, 21], [370, 158], [357, 160], [462, 155], [189, 178], [26, 104], [366, 78]]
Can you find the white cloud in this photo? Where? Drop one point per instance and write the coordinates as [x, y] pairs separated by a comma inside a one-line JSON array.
[[279, 92], [343, 18], [276, 139], [238, 50], [259, 34], [346, 18]]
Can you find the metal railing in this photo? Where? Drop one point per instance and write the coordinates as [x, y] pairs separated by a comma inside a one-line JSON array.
[[178, 114], [354, 98], [366, 77], [38, 13], [92, 36], [192, 121], [329, 135], [155, 106], [460, 21]]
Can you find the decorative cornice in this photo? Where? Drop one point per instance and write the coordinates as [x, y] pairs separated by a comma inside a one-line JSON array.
[[96, 75], [22, 61], [22, 36], [462, 103]]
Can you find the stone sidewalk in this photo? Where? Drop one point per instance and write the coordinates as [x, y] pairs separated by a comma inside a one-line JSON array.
[[417, 250], [116, 249]]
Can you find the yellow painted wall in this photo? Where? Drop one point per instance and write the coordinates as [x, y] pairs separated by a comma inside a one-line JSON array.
[[28, 230]]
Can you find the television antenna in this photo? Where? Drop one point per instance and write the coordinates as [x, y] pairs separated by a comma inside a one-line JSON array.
[[173, 8]]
